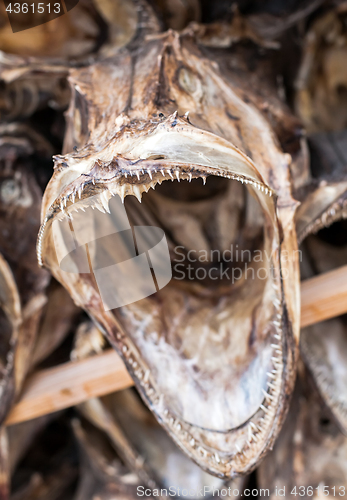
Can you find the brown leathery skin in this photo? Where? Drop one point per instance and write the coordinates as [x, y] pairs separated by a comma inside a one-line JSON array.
[[11, 319], [310, 451], [325, 197], [34, 64], [320, 100], [133, 133], [323, 346], [20, 199]]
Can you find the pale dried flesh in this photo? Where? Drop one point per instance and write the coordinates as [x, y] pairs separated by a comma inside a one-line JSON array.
[[141, 443]]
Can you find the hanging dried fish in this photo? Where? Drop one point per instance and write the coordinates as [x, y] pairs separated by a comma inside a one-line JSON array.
[[20, 200], [10, 322], [321, 86], [10, 319], [177, 14], [214, 360], [323, 346], [325, 196], [58, 320], [34, 63], [310, 455], [102, 474], [49, 468]]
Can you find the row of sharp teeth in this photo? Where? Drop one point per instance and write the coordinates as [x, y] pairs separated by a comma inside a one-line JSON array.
[[336, 212], [133, 189], [137, 190]]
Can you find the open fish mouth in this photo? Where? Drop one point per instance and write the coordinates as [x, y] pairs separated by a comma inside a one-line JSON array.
[[211, 356]]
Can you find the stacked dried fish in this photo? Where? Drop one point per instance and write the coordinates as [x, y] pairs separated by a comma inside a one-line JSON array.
[[184, 124]]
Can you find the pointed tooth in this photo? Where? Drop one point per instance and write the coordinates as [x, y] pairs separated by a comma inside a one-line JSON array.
[[122, 192], [170, 174], [162, 171], [100, 208], [79, 192], [125, 175], [137, 192], [65, 201], [204, 180], [186, 115], [150, 174], [178, 175], [93, 181], [104, 201], [190, 177], [62, 206], [73, 196], [138, 175]]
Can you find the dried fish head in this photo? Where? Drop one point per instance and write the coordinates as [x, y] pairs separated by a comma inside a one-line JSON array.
[[322, 228], [102, 474], [324, 345], [321, 86], [35, 62], [214, 359], [20, 199], [310, 452], [325, 200]]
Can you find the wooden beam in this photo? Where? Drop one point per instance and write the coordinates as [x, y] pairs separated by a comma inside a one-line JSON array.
[[68, 384], [324, 296], [46, 391]]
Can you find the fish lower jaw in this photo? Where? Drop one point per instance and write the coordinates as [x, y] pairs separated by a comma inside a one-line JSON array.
[[255, 431], [334, 213]]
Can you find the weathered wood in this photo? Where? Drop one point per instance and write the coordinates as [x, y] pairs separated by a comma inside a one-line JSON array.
[[46, 391], [68, 384], [324, 296]]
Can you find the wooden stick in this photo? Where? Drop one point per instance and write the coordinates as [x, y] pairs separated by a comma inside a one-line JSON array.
[[324, 296], [46, 391], [69, 384]]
